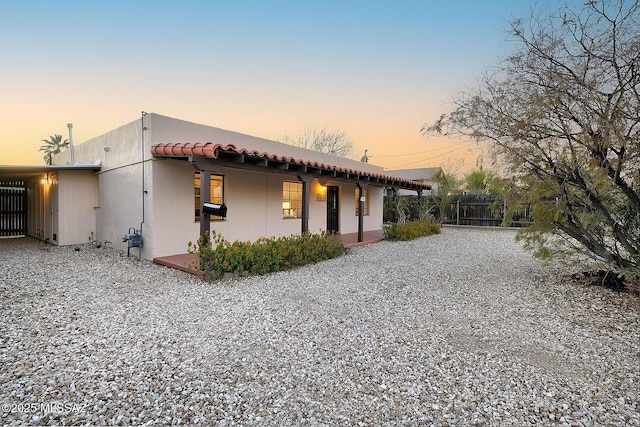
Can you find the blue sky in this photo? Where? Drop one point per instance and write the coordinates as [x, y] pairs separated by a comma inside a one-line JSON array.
[[376, 70]]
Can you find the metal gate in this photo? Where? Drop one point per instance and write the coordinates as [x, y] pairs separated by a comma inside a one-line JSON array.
[[13, 208]]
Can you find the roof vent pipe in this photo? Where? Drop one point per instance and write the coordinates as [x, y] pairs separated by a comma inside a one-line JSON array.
[[71, 153]]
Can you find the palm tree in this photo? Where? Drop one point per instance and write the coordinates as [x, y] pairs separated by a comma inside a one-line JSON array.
[[52, 146]]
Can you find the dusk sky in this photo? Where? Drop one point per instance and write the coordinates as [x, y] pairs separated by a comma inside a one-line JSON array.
[[377, 70]]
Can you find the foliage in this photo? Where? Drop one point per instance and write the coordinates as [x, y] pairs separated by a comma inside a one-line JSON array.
[[562, 115], [424, 214], [411, 230], [447, 185], [218, 256], [484, 181], [334, 142], [52, 146], [402, 207]]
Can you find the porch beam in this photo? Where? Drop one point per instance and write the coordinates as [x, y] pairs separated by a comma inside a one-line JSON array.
[[291, 169], [201, 163]]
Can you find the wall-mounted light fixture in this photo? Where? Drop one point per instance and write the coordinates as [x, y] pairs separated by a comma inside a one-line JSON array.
[[321, 191], [46, 180]]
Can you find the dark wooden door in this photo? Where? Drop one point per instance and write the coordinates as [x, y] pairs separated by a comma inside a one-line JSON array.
[[332, 209]]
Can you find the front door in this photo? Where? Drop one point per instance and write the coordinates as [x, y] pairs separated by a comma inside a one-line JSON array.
[[332, 209]]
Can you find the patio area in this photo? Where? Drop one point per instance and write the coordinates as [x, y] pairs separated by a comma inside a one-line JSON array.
[[189, 262]]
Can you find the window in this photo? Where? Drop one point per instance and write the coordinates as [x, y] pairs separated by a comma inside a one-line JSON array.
[[365, 204], [217, 193], [291, 199]]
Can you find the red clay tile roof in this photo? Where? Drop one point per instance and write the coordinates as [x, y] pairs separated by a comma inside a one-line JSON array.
[[211, 150]]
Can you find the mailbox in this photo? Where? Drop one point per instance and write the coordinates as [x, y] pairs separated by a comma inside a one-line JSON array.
[[215, 209]]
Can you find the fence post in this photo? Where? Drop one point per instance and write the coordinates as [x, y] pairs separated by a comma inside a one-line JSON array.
[[504, 211], [458, 212]]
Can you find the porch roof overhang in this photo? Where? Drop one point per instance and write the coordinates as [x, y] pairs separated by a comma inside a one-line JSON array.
[[208, 154], [20, 172]]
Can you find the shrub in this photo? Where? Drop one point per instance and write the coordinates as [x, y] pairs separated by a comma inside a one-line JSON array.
[[411, 230], [218, 256]]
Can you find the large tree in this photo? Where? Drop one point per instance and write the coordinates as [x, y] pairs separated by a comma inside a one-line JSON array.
[[52, 146], [562, 115], [328, 141]]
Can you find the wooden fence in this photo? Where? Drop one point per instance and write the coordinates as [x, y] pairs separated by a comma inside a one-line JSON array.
[[467, 209], [13, 208]]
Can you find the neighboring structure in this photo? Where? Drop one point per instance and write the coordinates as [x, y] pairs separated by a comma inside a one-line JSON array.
[[422, 175], [154, 174]]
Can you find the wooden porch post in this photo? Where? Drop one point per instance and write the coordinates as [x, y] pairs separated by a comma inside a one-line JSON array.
[[360, 212], [205, 196], [306, 191]]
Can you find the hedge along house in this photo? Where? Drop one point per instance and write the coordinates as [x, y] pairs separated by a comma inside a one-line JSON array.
[[157, 172]]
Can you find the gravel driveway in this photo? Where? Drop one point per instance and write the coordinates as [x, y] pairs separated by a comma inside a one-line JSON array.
[[461, 328]]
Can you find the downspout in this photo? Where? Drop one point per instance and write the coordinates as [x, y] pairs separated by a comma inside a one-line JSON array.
[[144, 191]]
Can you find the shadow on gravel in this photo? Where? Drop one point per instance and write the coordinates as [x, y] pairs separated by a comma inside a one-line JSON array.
[[610, 280]]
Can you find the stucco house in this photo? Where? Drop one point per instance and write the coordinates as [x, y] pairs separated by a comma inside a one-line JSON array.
[[153, 176]]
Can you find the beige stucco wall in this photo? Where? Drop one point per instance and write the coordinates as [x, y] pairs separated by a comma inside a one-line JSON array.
[[167, 129], [119, 182], [75, 207], [254, 199], [61, 209], [254, 202]]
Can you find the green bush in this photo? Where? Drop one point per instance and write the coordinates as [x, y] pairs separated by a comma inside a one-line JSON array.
[[218, 256], [411, 230]]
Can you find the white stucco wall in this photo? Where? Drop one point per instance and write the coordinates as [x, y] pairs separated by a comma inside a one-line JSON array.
[[254, 199], [167, 129], [119, 205], [75, 208]]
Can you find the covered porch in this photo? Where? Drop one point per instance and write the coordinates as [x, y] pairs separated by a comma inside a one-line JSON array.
[[211, 158]]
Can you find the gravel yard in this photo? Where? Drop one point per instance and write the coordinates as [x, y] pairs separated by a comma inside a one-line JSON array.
[[461, 328]]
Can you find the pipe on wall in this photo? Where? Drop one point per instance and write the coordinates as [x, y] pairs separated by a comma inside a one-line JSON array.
[[144, 191]]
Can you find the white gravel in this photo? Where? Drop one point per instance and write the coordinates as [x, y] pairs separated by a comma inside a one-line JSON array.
[[461, 328]]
